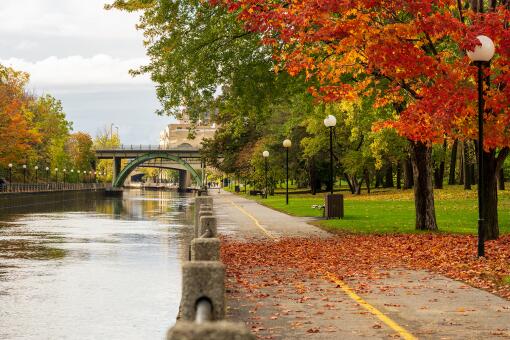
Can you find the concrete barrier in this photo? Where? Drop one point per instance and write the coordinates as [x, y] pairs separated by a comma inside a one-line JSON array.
[[203, 279], [220, 330], [208, 226], [203, 302], [204, 211], [199, 202], [205, 249]]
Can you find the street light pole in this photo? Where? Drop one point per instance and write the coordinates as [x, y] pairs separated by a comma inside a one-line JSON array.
[[330, 122], [331, 159], [482, 54], [47, 174], [36, 171], [265, 154], [24, 173], [287, 144], [56, 175], [10, 173]]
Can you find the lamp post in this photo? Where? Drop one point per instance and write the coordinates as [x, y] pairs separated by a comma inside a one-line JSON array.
[[36, 168], [24, 173], [65, 171], [10, 172], [330, 122], [78, 176], [56, 175], [47, 174], [287, 144], [481, 56], [265, 154]]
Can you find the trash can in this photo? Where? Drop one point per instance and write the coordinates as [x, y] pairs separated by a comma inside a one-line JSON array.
[[334, 206], [237, 188]]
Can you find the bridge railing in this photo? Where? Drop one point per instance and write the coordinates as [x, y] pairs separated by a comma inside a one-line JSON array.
[[52, 186], [127, 147]]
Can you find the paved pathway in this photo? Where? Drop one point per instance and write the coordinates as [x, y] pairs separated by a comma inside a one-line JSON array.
[[244, 218], [406, 304]]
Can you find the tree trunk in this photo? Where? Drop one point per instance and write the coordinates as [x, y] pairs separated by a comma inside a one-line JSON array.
[[378, 179], [388, 177], [461, 165], [399, 175], [501, 179], [423, 192], [453, 163], [357, 185], [351, 187], [313, 177], [467, 166], [474, 174], [408, 174], [492, 165], [367, 179], [491, 197], [439, 172], [438, 180], [354, 184]]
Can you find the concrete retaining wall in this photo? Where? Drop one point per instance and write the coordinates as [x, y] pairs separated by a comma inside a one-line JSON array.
[[41, 201]]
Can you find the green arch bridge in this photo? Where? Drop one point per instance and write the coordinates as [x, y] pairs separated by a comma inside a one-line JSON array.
[[180, 158]]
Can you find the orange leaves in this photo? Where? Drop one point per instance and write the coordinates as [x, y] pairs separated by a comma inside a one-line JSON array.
[[17, 134], [363, 256], [400, 52]]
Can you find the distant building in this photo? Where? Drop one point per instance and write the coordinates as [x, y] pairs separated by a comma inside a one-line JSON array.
[[176, 135]]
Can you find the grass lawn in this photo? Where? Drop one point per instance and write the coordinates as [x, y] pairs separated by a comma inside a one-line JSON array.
[[392, 211]]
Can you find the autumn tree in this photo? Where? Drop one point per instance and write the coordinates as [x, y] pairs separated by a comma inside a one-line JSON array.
[[103, 140], [49, 119], [410, 55], [203, 60], [17, 133], [79, 148]]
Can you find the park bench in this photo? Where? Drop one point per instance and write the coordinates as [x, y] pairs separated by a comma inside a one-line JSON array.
[[256, 192]]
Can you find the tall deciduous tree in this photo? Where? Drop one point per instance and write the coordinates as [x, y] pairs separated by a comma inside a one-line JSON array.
[[79, 148], [17, 133], [410, 55]]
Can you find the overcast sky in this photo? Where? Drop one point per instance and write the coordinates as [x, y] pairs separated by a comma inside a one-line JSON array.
[[81, 54]]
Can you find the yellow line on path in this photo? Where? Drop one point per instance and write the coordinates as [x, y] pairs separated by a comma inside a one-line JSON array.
[[346, 289], [264, 230], [389, 322]]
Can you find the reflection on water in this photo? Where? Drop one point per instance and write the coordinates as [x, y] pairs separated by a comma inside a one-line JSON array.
[[94, 268]]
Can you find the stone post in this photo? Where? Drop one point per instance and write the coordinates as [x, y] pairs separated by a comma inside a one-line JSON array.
[[207, 225], [203, 279], [220, 330], [205, 210], [205, 249]]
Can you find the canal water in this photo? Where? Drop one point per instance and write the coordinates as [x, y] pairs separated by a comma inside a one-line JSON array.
[[97, 268]]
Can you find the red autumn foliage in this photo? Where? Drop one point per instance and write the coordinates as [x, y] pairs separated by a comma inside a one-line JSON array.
[[364, 257], [409, 53]]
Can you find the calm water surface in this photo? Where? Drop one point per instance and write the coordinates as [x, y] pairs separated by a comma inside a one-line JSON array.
[[95, 268]]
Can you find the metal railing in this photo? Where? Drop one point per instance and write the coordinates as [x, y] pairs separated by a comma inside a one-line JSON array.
[[203, 311], [135, 147], [40, 187]]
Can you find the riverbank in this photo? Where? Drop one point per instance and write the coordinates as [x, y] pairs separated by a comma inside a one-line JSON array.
[[20, 201]]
